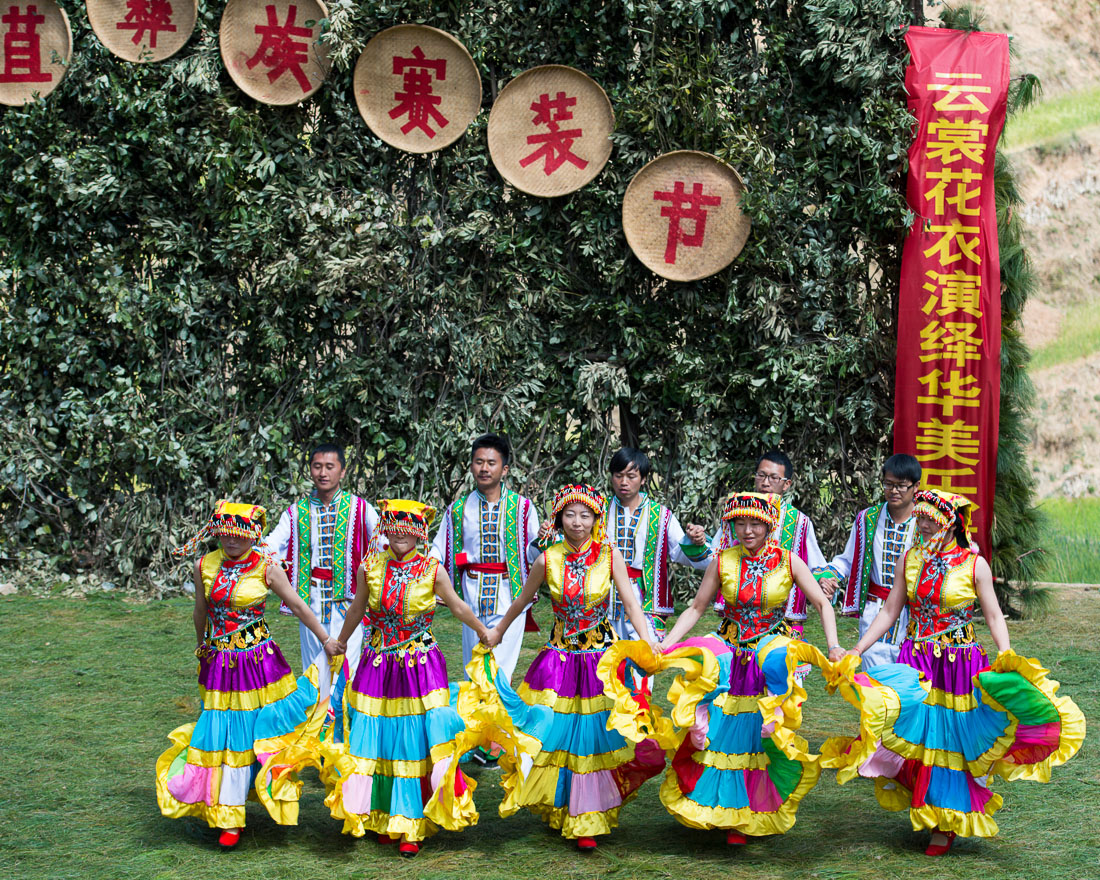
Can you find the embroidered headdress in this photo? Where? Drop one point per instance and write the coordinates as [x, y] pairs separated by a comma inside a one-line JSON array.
[[229, 520], [590, 497], [948, 510], [399, 516], [763, 506]]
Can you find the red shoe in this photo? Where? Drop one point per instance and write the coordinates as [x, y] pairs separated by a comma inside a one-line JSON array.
[[736, 838], [408, 848], [385, 838], [229, 838], [586, 844], [939, 849]]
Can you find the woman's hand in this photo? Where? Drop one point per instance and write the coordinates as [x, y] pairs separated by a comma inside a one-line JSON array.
[[334, 647], [492, 637], [851, 652], [837, 653]]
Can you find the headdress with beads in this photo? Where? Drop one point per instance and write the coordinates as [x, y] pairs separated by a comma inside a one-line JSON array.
[[590, 497], [945, 508], [400, 516], [763, 506], [230, 519]]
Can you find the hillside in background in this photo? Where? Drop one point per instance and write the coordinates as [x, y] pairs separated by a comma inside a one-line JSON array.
[[1055, 148]]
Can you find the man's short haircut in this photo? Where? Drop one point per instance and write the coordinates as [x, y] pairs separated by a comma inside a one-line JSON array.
[[626, 457], [328, 447], [499, 442], [902, 466], [779, 458]]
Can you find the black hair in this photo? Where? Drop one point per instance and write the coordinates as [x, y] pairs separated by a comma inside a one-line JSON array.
[[329, 447], [902, 466], [499, 442], [779, 458], [960, 531], [626, 457]]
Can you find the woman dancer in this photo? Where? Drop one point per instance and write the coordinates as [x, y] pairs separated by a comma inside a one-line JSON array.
[[934, 725], [744, 769], [397, 772], [574, 773], [251, 706]]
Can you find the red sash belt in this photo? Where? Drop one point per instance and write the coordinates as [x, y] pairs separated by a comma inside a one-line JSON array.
[[463, 564], [321, 574], [877, 591], [634, 573]]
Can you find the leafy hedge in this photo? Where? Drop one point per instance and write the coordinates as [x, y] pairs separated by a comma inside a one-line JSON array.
[[196, 287]]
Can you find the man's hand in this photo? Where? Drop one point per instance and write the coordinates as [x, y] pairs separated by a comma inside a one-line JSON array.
[[546, 531], [829, 586], [697, 533]]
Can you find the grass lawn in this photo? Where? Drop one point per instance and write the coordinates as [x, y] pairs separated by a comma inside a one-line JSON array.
[[1052, 118], [1072, 540], [1078, 337], [92, 687]]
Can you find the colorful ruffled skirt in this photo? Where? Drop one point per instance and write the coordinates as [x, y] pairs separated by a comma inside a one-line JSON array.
[[257, 728], [740, 765], [935, 726], [560, 760], [396, 773]]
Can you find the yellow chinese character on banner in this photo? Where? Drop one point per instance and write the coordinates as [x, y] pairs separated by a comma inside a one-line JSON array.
[[956, 390], [954, 233], [955, 440], [960, 196], [951, 341], [944, 480], [959, 95], [957, 139], [957, 292]]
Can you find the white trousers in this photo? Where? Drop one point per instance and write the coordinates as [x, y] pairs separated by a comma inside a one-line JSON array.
[[886, 649], [331, 615]]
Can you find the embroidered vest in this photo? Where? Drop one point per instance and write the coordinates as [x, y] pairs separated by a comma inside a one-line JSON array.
[[941, 593], [345, 547], [580, 586], [855, 592], [400, 597], [236, 593], [754, 592], [514, 537], [654, 567]]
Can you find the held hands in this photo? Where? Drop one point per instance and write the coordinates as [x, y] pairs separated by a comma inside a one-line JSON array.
[[696, 532], [829, 586], [852, 652], [334, 647], [838, 653], [492, 637]]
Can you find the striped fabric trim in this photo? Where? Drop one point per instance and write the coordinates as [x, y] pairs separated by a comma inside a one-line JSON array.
[[392, 707], [248, 701]]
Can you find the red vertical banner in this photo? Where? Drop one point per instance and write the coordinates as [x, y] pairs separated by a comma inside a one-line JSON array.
[[948, 387]]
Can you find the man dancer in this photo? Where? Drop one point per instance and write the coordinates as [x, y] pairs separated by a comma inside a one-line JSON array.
[[321, 540], [486, 543], [878, 540], [648, 535]]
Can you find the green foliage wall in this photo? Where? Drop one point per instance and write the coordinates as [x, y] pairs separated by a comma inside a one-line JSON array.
[[195, 287]]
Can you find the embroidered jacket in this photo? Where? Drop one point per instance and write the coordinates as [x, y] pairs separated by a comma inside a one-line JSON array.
[[648, 539], [755, 590]]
